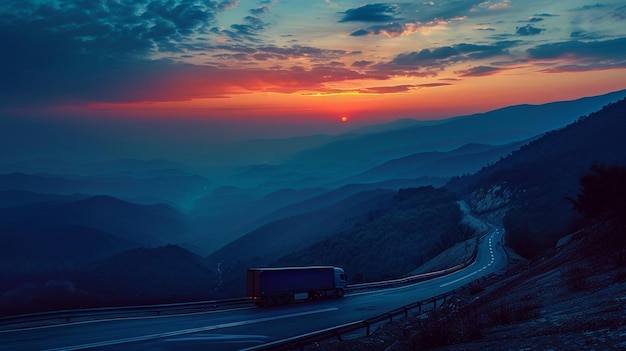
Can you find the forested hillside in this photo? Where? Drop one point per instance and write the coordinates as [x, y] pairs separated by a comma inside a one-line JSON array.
[[61, 252], [417, 224], [374, 234], [134, 277], [531, 186]]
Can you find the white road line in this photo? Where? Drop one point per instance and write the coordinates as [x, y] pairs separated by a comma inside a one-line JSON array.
[[493, 258], [104, 320], [187, 331], [458, 280]]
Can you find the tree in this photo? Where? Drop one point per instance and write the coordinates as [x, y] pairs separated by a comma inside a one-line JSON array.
[[602, 193]]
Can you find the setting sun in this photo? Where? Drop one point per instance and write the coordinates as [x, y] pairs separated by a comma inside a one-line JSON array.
[[344, 119]]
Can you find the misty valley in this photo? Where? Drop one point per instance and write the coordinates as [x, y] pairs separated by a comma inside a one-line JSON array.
[[380, 203]]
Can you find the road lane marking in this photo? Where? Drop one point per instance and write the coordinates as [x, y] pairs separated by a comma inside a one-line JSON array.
[[493, 258], [187, 331], [105, 320], [458, 280]]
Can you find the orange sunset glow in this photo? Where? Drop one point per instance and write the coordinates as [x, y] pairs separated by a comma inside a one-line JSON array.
[[382, 60], [285, 69]]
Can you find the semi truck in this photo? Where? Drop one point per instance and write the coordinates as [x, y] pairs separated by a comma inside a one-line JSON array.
[[280, 286]]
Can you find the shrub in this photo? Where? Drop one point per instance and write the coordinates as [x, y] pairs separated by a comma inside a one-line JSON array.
[[442, 329], [575, 277]]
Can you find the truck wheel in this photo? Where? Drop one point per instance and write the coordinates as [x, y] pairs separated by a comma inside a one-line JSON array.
[[282, 300], [339, 292], [270, 301]]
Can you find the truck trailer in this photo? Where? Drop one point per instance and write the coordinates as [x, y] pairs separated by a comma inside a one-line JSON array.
[[279, 286]]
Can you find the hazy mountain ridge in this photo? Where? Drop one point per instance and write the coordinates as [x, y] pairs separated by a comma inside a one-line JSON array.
[[51, 235], [500, 126], [16, 198], [464, 160], [215, 223], [175, 189], [301, 228], [289, 234], [137, 276], [535, 181], [162, 274], [29, 248], [232, 220], [57, 250], [403, 232], [298, 217], [340, 159], [327, 198], [156, 224], [521, 173], [113, 168]]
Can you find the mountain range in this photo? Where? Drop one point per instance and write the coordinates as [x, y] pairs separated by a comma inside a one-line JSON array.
[[529, 189], [68, 229]]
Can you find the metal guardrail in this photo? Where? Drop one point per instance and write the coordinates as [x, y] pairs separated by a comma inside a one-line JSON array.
[[69, 316], [301, 341], [419, 277]]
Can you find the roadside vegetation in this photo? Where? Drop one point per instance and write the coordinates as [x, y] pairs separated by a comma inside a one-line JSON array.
[[571, 297], [415, 226]]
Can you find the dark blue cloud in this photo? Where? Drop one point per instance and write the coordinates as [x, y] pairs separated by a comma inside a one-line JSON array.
[[391, 29], [581, 34], [247, 31], [84, 50], [269, 52], [360, 33], [619, 14], [528, 30], [473, 51], [589, 7], [371, 13], [479, 71], [112, 27], [446, 55], [426, 57], [184, 17], [442, 9], [259, 10], [609, 50], [413, 13], [578, 56], [361, 63]]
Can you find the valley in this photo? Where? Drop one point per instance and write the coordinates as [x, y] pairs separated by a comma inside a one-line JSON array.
[[137, 232]]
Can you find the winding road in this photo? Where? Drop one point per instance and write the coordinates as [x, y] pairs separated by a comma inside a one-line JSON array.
[[238, 328]]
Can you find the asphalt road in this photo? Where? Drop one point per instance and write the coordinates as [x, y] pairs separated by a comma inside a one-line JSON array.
[[238, 328]]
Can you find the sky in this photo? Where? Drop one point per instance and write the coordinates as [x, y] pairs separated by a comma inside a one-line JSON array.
[[287, 67]]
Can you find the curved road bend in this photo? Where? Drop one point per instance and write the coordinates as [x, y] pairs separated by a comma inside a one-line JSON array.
[[239, 328]]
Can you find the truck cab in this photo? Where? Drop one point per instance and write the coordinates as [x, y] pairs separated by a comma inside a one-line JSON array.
[[341, 281]]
